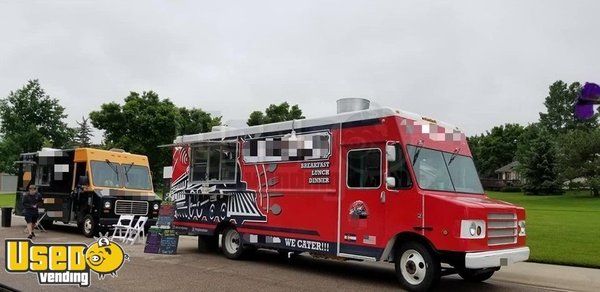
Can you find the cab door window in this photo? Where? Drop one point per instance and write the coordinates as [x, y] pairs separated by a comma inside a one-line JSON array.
[[364, 168]]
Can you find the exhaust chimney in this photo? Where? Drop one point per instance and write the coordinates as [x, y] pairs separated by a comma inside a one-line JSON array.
[[352, 104]]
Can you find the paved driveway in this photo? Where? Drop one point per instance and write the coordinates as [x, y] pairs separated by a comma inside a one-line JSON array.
[[265, 271]]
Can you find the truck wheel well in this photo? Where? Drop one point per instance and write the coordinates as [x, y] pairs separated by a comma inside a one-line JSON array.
[[222, 226], [404, 237]]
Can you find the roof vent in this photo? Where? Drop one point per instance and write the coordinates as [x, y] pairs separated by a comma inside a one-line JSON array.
[[352, 104], [117, 150]]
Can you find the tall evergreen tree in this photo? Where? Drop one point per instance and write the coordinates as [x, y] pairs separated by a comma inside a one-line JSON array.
[[580, 158], [83, 133], [537, 155]]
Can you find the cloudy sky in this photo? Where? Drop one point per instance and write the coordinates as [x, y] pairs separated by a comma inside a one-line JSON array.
[[474, 64]]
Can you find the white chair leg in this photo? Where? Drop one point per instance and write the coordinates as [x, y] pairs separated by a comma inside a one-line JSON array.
[[134, 240]]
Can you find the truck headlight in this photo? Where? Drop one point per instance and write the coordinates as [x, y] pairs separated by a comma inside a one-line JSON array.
[[107, 205], [155, 207], [472, 229], [522, 228]]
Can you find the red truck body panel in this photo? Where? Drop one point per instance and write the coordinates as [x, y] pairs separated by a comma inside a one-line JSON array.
[[298, 198]]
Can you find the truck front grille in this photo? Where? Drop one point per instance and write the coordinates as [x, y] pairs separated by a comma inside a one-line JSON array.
[[125, 207], [502, 228]]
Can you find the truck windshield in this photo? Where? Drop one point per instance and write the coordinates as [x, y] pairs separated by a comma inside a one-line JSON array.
[[444, 171], [136, 177], [104, 174], [114, 175]]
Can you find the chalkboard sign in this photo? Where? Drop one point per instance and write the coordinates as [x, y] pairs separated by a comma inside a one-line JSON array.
[[160, 240], [153, 240], [169, 242]]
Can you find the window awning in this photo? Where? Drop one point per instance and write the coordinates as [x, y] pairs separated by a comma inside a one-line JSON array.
[[198, 143]]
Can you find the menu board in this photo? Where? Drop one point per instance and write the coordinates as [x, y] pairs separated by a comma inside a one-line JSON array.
[[169, 242], [153, 240], [166, 214], [162, 238]]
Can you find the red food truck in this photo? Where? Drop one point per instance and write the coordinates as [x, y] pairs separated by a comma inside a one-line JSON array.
[[365, 184]]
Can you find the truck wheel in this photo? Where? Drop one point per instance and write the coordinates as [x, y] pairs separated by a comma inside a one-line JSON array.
[[231, 244], [88, 226], [417, 268], [207, 243], [476, 275]]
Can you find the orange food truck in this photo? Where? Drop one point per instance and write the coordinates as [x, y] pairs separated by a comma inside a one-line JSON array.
[[365, 184]]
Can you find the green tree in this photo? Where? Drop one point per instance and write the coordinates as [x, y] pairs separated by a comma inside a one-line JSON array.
[[580, 157], [495, 148], [193, 121], [560, 102], [83, 133], [31, 119], [537, 154], [139, 126], [144, 122], [275, 113]]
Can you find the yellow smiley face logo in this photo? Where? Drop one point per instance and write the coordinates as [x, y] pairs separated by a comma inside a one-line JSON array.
[[105, 257]]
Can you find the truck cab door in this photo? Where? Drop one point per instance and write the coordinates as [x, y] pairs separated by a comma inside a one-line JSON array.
[[363, 199]]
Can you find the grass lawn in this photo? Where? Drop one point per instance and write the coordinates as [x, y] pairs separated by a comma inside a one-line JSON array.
[[7, 200], [561, 229]]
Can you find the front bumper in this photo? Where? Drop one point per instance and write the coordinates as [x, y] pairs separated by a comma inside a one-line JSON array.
[[496, 258]]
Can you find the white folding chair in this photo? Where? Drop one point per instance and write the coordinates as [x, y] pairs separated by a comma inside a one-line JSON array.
[[122, 227], [41, 215], [136, 230]]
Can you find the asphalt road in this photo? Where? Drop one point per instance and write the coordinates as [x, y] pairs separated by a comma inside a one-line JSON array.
[[191, 270]]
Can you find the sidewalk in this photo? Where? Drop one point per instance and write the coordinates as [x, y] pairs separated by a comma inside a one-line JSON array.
[[551, 276]]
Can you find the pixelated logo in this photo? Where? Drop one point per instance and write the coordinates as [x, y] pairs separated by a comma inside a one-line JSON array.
[[66, 263], [587, 99]]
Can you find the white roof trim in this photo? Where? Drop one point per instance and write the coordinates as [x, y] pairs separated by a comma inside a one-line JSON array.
[[304, 123]]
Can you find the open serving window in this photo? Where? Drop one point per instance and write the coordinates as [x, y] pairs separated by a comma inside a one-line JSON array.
[[214, 162]]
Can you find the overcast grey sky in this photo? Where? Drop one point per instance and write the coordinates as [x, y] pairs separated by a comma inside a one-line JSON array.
[[474, 64]]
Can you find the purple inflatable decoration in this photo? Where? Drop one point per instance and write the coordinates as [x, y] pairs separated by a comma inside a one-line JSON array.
[[590, 95]]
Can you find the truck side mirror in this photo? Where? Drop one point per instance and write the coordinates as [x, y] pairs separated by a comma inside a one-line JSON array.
[[84, 180], [390, 153], [390, 181]]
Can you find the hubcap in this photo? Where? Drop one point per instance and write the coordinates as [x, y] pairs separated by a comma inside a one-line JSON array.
[[87, 225], [413, 267], [232, 241]]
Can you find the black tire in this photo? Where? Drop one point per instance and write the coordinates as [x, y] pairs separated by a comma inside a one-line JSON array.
[[89, 226], [208, 243], [231, 244], [417, 267], [476, 275]]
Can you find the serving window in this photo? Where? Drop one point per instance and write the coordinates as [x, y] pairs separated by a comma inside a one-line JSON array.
[[214, 163]]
